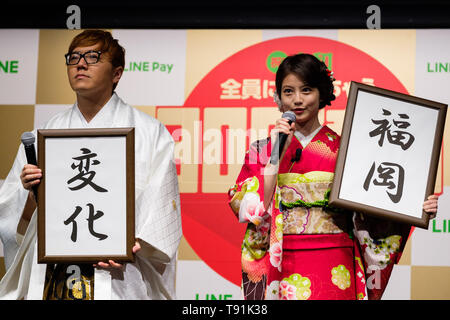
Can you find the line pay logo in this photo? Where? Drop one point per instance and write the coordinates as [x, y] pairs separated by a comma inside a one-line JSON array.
[[147, 66]]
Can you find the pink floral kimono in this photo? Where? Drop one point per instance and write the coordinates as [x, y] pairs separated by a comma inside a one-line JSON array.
[[301, 248]]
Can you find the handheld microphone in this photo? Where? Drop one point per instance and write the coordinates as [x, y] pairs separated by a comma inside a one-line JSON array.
[[281, 141], [28, 143]]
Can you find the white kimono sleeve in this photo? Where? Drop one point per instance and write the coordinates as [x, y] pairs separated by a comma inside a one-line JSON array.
[[12, 201], [158, 216]]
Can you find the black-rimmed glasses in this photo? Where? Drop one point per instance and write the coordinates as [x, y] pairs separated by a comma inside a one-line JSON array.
[[91, 57]]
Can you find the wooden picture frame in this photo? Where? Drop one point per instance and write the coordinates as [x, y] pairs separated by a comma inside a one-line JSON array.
[[86, 198], [389, 154]]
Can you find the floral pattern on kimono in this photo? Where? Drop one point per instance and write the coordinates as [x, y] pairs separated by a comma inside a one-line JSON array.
[[300, 207]]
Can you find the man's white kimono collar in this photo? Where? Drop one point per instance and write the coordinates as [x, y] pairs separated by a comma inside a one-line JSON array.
[[104, 118]]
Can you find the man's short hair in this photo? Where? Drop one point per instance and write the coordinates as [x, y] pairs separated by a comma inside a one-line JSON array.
[[108, 45]]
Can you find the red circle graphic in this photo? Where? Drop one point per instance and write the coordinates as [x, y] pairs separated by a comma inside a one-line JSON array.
[[209, 225]]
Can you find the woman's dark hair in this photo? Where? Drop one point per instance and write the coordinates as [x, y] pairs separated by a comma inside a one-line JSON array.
[[312, 71]]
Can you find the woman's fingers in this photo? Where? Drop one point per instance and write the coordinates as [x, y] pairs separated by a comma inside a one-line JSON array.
[[431, 204], [283, 126]]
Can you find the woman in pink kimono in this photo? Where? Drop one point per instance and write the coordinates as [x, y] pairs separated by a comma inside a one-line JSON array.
[[296, 246]]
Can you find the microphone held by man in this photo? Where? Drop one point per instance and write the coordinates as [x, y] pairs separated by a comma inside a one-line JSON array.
[[30, 172]]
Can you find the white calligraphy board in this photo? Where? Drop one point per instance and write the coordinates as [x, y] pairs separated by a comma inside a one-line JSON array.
[[389, 154], [61, 202], [365, 150]]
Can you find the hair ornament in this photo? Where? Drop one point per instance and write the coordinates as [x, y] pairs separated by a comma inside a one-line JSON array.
[[330, 74]]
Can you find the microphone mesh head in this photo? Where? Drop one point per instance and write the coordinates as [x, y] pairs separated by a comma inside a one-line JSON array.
[[290, 115], [27, 138]]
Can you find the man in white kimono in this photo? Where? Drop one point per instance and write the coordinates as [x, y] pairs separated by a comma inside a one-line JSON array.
[[95, 63]]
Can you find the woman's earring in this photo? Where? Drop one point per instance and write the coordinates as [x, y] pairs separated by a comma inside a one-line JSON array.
[[277, 100]]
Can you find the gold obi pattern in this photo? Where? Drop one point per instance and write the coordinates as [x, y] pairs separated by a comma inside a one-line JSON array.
[[304, 203], [69, 282]]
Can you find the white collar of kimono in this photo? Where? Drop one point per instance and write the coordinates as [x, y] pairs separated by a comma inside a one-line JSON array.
[[102, 118], [304, 140]]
